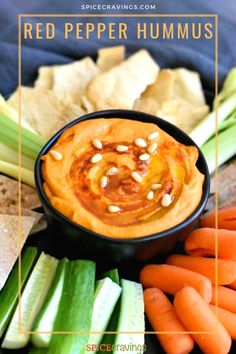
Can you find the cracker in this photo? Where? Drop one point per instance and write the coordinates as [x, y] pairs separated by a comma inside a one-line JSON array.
[[110, 57], [120, 86], [9, 189], [10, 242], [44, 111]]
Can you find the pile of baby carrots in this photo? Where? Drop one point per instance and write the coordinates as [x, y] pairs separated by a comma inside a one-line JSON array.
[[192, 280]]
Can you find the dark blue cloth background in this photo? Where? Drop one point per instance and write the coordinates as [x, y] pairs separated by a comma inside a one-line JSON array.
[[167, 54]]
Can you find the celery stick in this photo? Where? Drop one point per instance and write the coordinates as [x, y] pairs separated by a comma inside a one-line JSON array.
[[11, 113], [75, 309], [32, 299], [9, 294], [229, 85], [31, 143], [226, 148], [46, 318], [11, 170], [12, 156], [227, 123], [206, 128]]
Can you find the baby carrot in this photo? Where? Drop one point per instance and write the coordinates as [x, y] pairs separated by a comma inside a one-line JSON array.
[[226, 219], [227, 318], [163, 318], [171, 279], [196, 316], [233, 285], [201, 242], [226, 298], [207, 267]]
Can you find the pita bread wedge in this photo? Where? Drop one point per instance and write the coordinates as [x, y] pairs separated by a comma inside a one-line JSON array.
[[110, 57], [40, 222], [87, 105], [14, 210], [120, 86], [44, 111], [187, 86], [182, 114], [157, 93], [72, 79], [9, 189], [11, 243], [45, 78], [147, 105], [172, 97], [40, 226], [162, 89], [226, 185]]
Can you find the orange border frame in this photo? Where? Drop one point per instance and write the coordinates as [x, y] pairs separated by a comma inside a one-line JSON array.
[[215, 16]]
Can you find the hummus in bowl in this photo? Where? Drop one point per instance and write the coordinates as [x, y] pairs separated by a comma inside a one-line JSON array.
[[122, 178]]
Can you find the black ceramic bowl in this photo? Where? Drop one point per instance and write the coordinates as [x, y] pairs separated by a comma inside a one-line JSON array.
[[77, 241]]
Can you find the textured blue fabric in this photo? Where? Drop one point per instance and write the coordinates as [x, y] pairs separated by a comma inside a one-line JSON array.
[[168, 54]]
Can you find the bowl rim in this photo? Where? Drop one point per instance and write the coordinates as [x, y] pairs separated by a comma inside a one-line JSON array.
[[133, 115]]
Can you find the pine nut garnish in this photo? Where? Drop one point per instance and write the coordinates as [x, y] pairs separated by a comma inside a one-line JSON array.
[[56, 155], [150, 195], [136, 176], [144, 157], [156, 186], [104, 182], [96, 158], [153, 136], [121, 148], [114, 209], [112, 171], [97, 144], [152, 148], [166, 200], [140, 142]]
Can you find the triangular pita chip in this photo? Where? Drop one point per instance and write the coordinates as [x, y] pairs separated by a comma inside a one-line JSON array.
[[120, 86], [72, 79], [9, 194], [44, 111], [45, 77], [147, 105], [176, 96], [187, 86], [182, 113], [110, 57], [162, 89], [11, 241], [14, 210]]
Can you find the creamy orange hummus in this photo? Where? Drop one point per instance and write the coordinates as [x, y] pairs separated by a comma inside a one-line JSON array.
[[122, 178]]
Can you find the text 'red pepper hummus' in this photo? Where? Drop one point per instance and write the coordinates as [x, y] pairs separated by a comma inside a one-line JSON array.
[[122, 178]]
